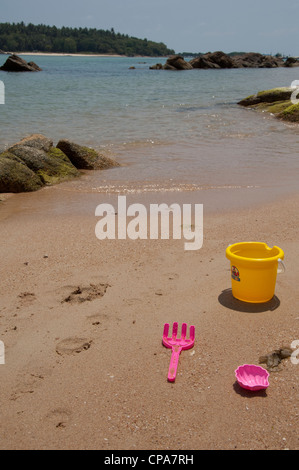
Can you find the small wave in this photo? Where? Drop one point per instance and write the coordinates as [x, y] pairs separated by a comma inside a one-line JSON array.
[[136, 188]]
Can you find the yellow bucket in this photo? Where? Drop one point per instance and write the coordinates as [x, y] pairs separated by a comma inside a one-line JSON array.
[[254, 268]]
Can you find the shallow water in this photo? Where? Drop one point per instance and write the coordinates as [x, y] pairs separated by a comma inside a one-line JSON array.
[[175, 131]]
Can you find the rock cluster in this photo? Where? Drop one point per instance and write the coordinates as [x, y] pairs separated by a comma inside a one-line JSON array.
[[34, 162], [220, 60], [280, 102], [15, 63]]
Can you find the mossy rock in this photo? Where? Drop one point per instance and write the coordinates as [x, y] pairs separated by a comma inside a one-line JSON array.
[[268, 96], [37, 141], [52, 167], [85, 158], [291, 113], [276, 101], [15, 176]]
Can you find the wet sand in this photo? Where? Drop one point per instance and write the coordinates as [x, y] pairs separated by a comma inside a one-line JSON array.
[[82, 322]]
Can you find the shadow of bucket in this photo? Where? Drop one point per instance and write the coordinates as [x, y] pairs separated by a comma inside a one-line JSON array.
[[227, 299], [254, 268]]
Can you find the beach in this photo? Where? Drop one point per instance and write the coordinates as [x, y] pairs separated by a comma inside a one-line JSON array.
[[82, 322]]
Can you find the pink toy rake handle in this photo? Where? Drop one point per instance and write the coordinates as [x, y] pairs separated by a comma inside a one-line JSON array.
[[176, 351]]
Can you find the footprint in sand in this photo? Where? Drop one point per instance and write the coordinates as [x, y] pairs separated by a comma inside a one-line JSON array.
[[87, 294], [59, 417], [26, 298], [171, 276], [73, 345]]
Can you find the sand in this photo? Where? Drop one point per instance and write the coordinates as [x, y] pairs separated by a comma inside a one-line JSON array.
[[82, 321]]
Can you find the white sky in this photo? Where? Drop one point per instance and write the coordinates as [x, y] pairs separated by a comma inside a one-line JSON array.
[[266, 26]]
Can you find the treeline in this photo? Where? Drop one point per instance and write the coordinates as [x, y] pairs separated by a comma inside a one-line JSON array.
[[18, 37]]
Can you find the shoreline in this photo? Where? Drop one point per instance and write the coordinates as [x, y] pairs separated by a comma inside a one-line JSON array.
[[67, 54], [88, 370]]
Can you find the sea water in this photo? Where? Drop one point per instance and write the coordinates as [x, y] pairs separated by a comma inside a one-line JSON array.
[[170, 130]]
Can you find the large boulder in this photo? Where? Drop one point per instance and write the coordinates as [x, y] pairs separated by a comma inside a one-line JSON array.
[[85, 158], [15, 176], [177, 62], [15, 63], [213, 60], [51, 166]]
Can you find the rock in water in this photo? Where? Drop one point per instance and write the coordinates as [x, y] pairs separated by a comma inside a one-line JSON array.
[[268, 96], [177, 62], [277, 101], [291, 62], [213, 60], [37, 141], [15, 63], [85, 158], [257, 60]]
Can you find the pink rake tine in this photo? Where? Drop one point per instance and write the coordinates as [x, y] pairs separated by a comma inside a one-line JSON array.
[[177, 345]]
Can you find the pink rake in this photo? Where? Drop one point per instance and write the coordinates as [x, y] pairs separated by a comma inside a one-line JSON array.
[[177, 345]]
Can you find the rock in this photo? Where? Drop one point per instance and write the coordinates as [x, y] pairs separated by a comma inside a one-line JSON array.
[[156, 67], [50, 166], [290, 113], [291, 62], [220, 60], [177, 62], [174, 62], [85, 158], [268, 96], [213, 60], [256, 60], [37, 141], [15, 176], [34, 66], [15, 63], [276, 101], [274, 358], [34, 162]]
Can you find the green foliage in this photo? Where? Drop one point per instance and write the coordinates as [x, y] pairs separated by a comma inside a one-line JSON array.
[[18, 37]]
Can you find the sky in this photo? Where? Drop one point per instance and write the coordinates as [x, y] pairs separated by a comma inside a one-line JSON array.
[[265, 26]]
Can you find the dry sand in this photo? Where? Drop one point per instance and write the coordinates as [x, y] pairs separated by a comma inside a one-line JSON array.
[[82, 323]]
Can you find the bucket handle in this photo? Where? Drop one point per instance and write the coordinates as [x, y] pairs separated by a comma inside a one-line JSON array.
[[281, 267]]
